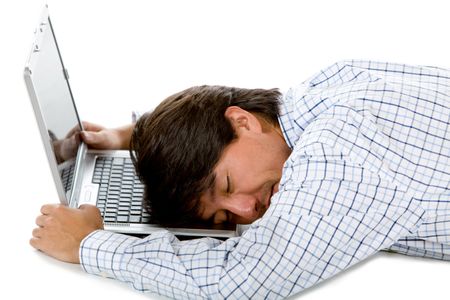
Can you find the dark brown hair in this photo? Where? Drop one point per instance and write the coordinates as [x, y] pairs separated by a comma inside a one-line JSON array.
[[176, 147]]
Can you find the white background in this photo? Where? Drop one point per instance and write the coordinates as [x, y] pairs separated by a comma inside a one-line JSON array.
[[125, 55]]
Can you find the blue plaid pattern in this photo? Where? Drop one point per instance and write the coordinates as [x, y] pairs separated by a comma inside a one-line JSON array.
[[369, 171]]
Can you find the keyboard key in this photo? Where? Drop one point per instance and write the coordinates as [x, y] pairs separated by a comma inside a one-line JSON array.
[[135, 219], [122, 219], [109, 219]]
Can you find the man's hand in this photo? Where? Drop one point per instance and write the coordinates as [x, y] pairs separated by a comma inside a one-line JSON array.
[[99, 137], [61, 230], [95, 136]]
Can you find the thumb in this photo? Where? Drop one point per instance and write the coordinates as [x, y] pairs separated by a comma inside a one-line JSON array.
[[92, 216], [87, 207], [92, 138]]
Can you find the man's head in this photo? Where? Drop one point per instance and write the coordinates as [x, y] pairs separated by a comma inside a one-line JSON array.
[[186, 149]]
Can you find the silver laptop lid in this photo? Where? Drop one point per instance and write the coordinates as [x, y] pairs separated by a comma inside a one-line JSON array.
[[52, 99]]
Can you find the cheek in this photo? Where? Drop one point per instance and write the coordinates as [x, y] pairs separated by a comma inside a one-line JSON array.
[[249, 160]]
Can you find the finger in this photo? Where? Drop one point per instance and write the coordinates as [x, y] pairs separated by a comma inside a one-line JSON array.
[[92, 138], [92, 127], [75, 138], [93, 215], [90, 208], [35, 243], [39, 244], [73, 131], [37, 232], [47, 209], [87, 207], [40, 220], [71, 146]]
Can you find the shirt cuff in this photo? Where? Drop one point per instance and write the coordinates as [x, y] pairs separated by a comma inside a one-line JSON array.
[[101, 253]]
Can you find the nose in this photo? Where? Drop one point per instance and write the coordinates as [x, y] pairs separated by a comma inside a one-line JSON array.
[[244, 208]]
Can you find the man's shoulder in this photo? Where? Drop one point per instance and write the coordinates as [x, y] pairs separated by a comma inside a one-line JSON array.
[[333, 124]]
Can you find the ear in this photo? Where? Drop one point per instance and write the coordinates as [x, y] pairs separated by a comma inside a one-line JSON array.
[[242, 120]]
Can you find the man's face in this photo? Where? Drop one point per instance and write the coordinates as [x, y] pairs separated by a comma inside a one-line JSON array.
[[248, 172]]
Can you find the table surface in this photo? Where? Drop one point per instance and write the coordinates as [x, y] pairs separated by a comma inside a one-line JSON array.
[[130, 57]]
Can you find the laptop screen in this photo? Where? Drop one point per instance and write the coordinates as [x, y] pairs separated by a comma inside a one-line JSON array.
[[56, 103]]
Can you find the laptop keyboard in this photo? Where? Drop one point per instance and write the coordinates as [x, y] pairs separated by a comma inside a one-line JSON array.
[[120, 192], [67, 176]]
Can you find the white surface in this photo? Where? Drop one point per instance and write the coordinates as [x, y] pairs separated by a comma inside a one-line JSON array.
[[130, 55]]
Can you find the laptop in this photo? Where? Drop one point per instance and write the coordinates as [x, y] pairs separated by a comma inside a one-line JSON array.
[[106, 179]]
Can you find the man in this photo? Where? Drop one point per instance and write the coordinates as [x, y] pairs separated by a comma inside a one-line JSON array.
[[354, 161]]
